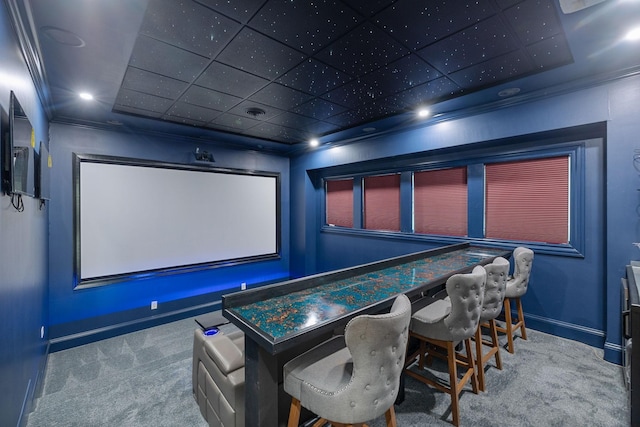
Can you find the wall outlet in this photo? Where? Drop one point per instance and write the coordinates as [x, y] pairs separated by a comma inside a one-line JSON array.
[[154, 305], [243, 286]]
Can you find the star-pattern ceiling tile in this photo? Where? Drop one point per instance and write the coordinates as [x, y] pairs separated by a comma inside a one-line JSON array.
[[189, 26], [363, 50], [546, 24], [305, 25], [368, 8], [280, 96], [235, 122], [423, 94], [142, 101], [366, 113], [224, 78], [240, 10], [292, 120], [193, 112], [314, 77], [208, 98], [504, 68], [319, 109], [165, 59], [550, 53], [481, 42], [152, 83], [251, 51], [354, 94], [418, 23], [400, 75]]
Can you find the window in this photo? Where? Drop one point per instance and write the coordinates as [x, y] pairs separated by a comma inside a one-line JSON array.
[[440, 202], [382, 202], [339, 202], [528, 200]]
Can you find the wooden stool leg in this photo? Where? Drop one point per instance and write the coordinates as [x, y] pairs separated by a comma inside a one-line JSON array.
[[523, 330], [471, 366], [294, 413], [494, 342], [390, 416], [453, 383], [509, 326], [479, 357]]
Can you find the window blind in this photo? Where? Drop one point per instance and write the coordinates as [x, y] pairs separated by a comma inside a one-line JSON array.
[[339, 202], [528, 200], [382, 202], [440, 202]]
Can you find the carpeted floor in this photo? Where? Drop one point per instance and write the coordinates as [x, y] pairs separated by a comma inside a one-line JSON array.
[[144, 379]]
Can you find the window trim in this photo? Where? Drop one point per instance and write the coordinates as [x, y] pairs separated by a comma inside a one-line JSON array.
[[575, 149]]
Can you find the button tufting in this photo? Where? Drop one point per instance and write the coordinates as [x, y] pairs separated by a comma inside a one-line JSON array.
[[373, 352], [363, 337], [353, 404]]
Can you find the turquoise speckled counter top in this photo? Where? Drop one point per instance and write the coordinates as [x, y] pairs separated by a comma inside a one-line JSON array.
[[287, 314]]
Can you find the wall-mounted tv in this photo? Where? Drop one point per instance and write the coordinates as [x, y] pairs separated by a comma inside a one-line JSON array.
[[5, 152], [43, 166], [18, 154]]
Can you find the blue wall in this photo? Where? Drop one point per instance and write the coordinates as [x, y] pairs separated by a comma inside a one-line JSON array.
[[83, 314], [574, 297], [23, 256]]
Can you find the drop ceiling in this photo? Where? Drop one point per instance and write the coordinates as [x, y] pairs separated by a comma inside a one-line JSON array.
[[279, 72]]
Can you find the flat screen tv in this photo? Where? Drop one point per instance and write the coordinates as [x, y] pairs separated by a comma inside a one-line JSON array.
[[5, 152], [43, 166], [19, 166]]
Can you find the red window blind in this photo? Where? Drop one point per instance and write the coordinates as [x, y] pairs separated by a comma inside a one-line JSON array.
[[528, 200], [382, 202], [440, 202], [339, 202]]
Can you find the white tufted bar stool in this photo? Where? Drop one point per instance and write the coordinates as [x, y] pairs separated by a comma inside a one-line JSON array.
[[442, 325], [494, 292], [354, 378], [516, 288]]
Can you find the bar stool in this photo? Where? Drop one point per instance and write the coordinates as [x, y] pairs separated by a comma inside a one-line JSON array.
[[445, 323], [353, 378], [516, 288], [494, 292]]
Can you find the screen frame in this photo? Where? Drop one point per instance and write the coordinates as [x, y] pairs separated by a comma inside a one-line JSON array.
[[87, 282]]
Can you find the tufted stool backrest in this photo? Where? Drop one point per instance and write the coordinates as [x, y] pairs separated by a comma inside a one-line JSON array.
[[466, 292], [494, 289], [377, 344], [517, 285]]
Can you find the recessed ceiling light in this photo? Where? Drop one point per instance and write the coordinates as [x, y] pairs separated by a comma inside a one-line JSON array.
[[633, 35], [424, 112], [86, 96], [314, 142]]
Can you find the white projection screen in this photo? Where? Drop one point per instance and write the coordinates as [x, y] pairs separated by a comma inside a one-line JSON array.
[[134, 218]]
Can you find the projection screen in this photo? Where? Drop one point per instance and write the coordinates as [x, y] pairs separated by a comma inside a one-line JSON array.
[[136, 218]]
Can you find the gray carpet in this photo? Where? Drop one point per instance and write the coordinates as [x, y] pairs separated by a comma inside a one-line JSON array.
[[144, 379]]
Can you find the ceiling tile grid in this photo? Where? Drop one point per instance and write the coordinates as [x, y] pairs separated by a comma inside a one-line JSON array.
[[317, 67]]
